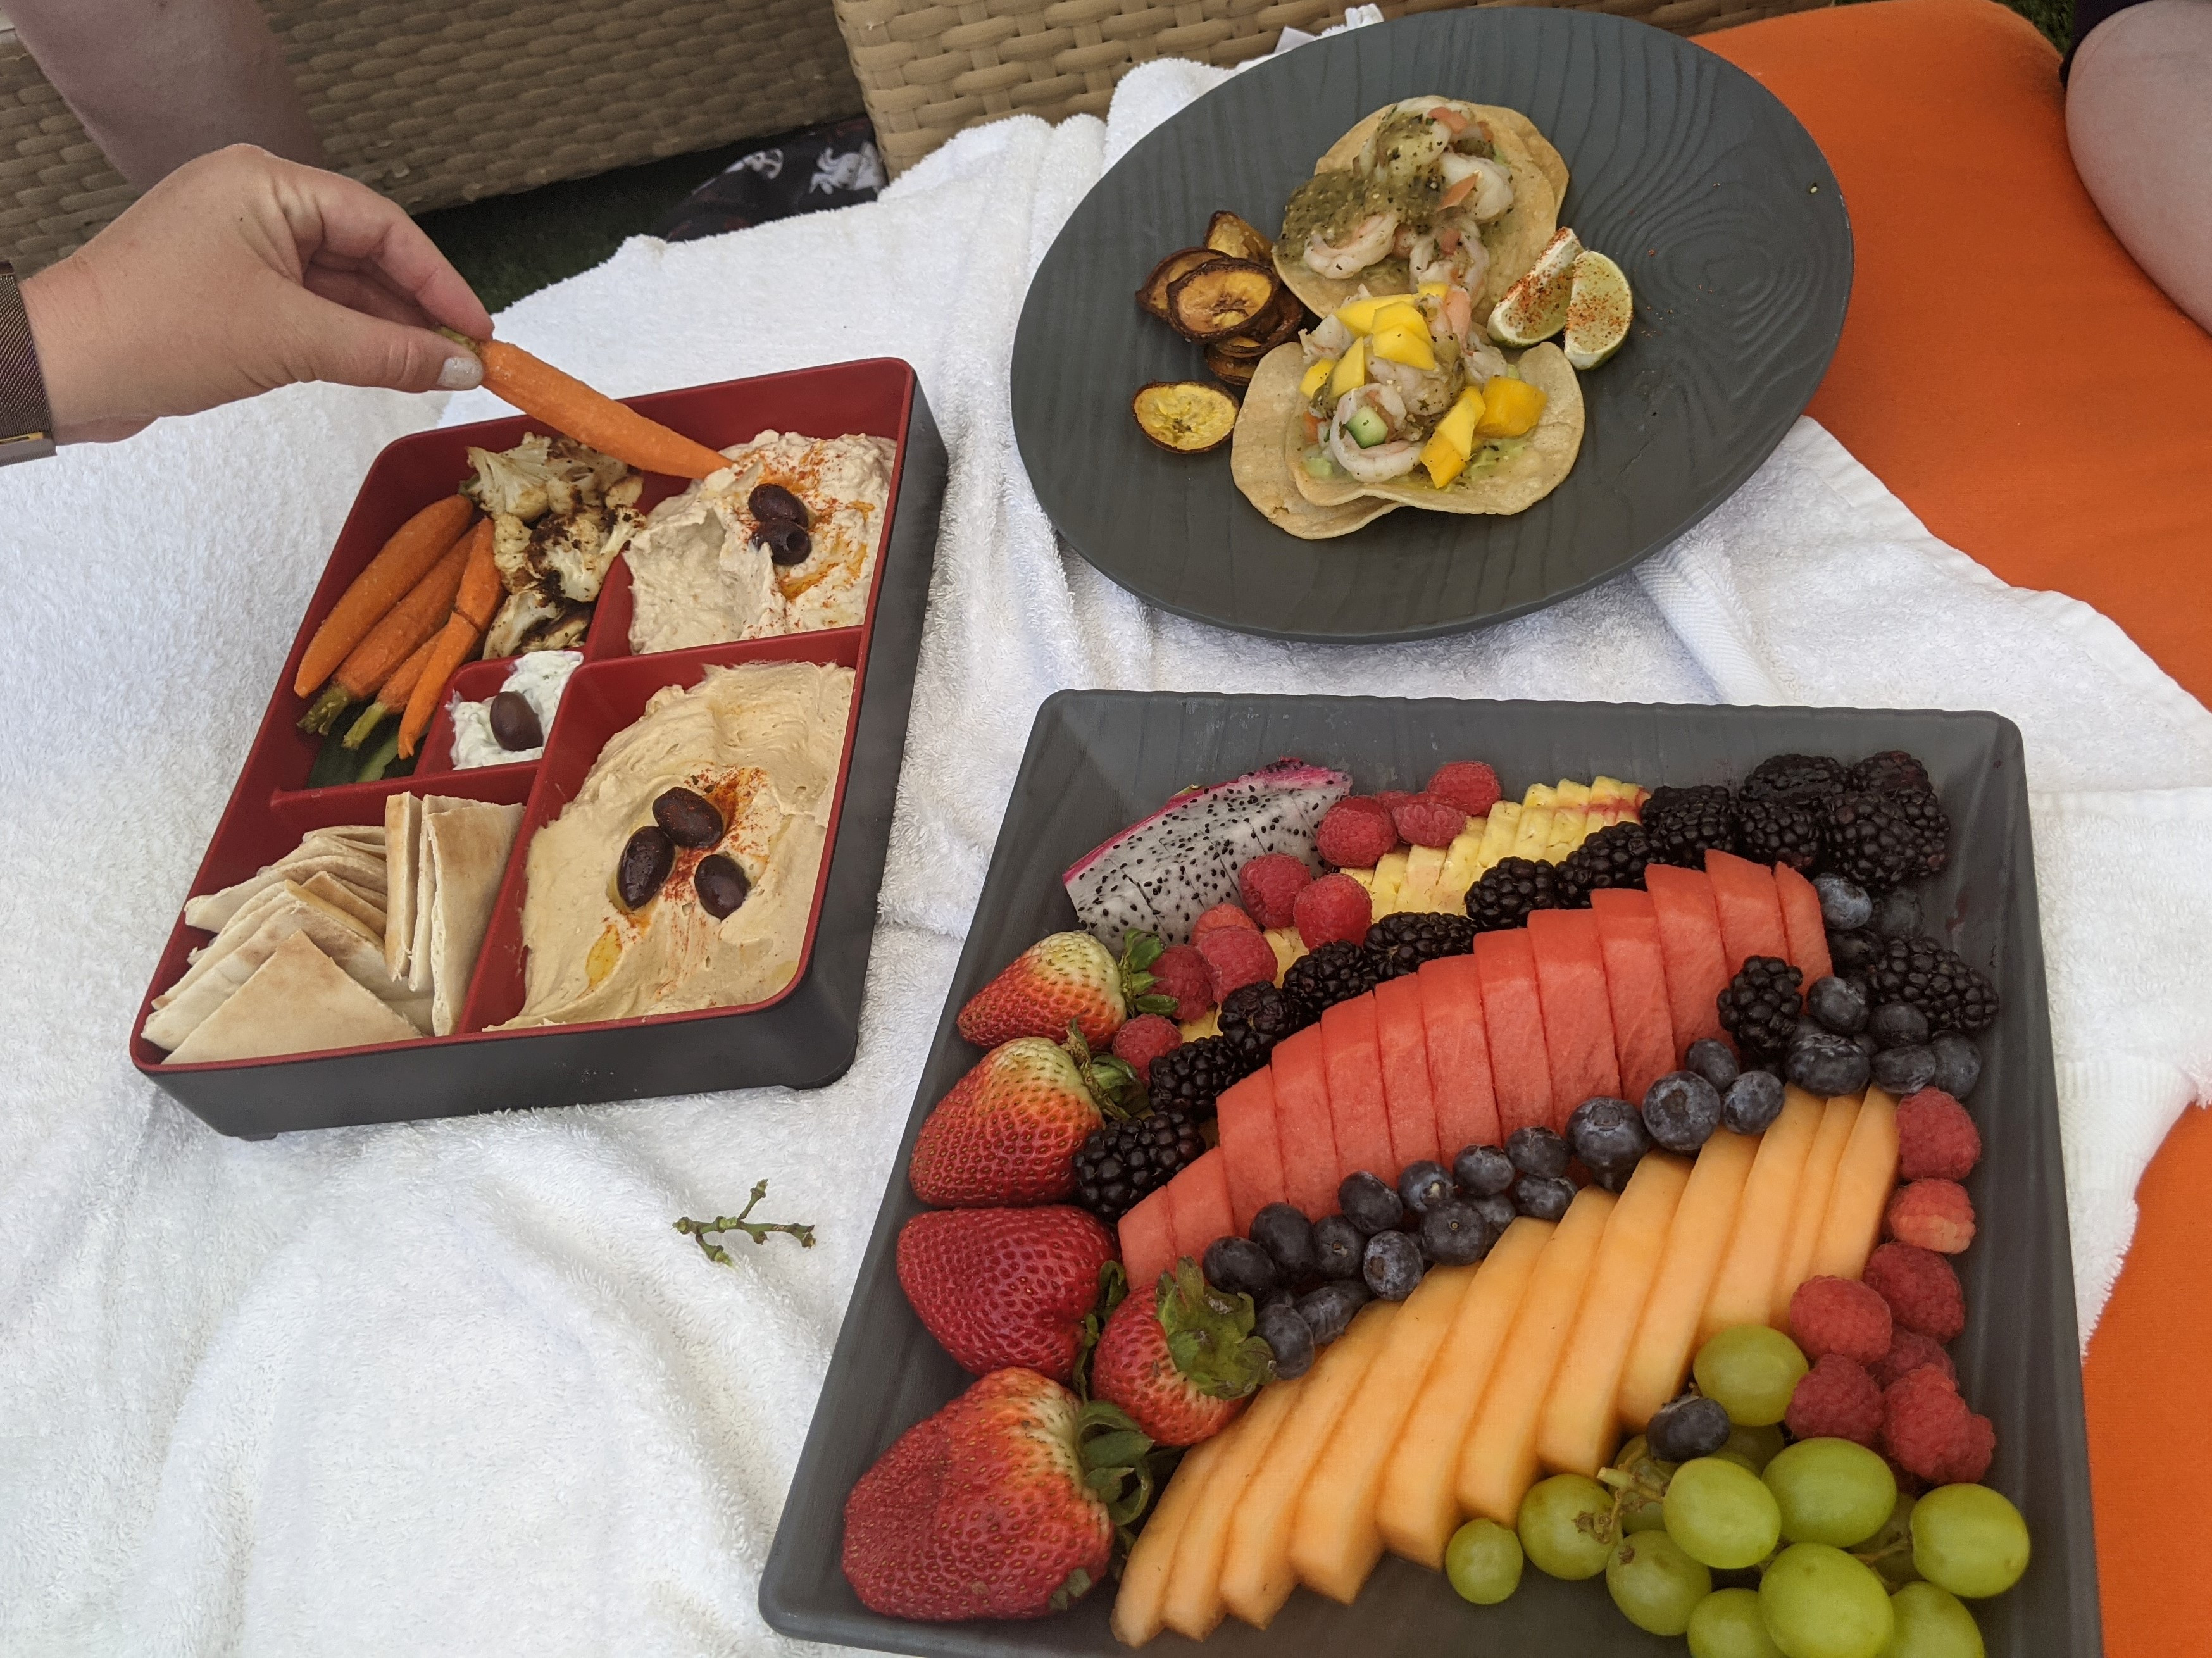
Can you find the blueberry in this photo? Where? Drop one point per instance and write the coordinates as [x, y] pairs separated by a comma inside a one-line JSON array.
[[1538, 1151], [1843, 904], [1958, 1063], [1284, 1331], [1608, 1135], [1455, 1233], [1865, 1044], [1682, 1110], [1688, 1427], [1896, 915], [1902, 1071], [1821, 1062], [1898, 1024], [1838, 1003], [1614, 1180], [1483, 1171], [1368, 1204], [1853, 951], [1337, 1246], [1753, 1102], [1543, 1197], [1287, 1237], [1240, 1266], [1330, 1307], [1713, 1060], [1496, 1209], [1393, 1265], [1422, 1185]]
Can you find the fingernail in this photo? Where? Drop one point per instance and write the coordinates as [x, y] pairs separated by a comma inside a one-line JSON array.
[[460, 373]]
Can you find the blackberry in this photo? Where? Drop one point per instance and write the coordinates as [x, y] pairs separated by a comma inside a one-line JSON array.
[[1946, 989], [1890, 770], [1812, 777], [1508, 890], [1255, 1016], [1335, 972], [1776, 831], [1614, 857], [1190, 1078], [1682, 825], [1931, 825], [1403, 941], [1872, 841], [1120, 1163], [1760, 1006]]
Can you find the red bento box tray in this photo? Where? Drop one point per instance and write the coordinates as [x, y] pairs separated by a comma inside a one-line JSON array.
[[806, 1034]]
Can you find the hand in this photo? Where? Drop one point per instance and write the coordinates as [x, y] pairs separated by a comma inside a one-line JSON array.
[[236, 273]]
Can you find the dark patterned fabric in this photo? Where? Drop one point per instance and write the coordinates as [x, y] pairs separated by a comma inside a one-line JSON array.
[[26, 424]]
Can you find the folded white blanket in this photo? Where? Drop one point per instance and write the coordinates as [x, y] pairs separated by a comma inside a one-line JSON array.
[[457, 1388]]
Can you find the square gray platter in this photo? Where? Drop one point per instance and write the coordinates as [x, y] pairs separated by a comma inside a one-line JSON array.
[[1099, 760]]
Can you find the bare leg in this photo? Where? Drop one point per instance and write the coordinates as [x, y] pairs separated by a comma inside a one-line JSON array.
[[2139, 119], [158, 82]]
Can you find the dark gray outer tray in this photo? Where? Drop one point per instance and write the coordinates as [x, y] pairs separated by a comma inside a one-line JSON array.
[[1097, 760], [1695, 177]]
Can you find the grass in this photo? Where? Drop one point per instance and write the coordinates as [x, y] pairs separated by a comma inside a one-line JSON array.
[[2054, 17]]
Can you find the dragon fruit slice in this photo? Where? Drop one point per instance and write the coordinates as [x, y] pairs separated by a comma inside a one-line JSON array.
[[1165, 872]]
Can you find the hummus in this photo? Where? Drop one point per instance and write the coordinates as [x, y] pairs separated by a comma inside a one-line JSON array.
[[538, 679], [761, 742], [698, 577]]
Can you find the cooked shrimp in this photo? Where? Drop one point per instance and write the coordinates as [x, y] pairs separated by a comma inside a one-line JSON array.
[[1367, 241], [1331, 339], [1447, 256], [1427, 391], [1485, 185], [1391, 458]]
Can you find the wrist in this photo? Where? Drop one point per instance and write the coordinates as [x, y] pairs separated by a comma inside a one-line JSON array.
[[88, 401]]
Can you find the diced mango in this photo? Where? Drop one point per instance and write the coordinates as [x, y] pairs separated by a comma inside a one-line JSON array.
[[1350, 371], [1433, 290], [1457, 427], [1443, 462], [1510, 408], [1316, 377], [1359, 315], [1409, 346], [1398, 311]]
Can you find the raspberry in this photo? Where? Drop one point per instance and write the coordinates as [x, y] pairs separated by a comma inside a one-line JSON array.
[[1237, 956], [1921, 1289], [1336, 907], [1836, 1399], [1468, 784], [1840, 1315], [1219, 916], [1425, 821], [1270, 884], [1935, 1214], [1354, 833], [1935, 1137], [1927, 1427], [1910, 1351], [1971, 1448], [1181, 973], [1391, 799], [1143, 1040]]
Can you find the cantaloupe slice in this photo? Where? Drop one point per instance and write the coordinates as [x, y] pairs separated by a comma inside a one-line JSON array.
[[1417, 1508], [1690, 942], [1402, 1041], [1865, 1181], [1577, 1013], [1425, 866], [1355, 1111], [1802, 923], [1193, 1606], [1256, 1578], [1743, 1288], [1636, 985], [1837, 1118], [1139, 1606], [1147, 1238], [1199, 1210], [1749, 909], [1302, 1128], [1498, 1463], [1579, 1427], [1252, 1156], [1334, 1540], [1666, 1335], [1459, 1055], [1513, 1026]]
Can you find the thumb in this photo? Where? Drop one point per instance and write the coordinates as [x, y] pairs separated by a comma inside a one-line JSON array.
[[353, 348]]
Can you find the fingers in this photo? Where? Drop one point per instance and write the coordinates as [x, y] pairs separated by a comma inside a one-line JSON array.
[[356, 226], [360, 290], [353, 348]]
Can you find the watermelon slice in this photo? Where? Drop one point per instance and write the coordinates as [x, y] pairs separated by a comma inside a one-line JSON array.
[[1513, 1024], [1148, 1247], [1253, 1157], [1690, 945], [1749, 909], [1802, 922], [1198, 1204], [1302, 1123], [1577, 1015], [1459, 1055], [1636, 985], [1407, 1094], [1354, 1063]]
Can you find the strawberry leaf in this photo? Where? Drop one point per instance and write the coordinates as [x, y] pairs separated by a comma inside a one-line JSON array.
[[1209, 1336], [1113, 1288], [1164, 1005]]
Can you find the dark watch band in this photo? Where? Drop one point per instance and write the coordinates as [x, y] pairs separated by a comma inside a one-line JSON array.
[[27, 424]]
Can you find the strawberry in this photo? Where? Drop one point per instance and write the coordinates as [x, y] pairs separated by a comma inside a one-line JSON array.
[[1180, 1361], [1009, 1131], [1005, 1286], [993, 1507], [1063, 976]]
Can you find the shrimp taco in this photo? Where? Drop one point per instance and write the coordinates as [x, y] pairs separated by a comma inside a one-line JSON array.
[[1426, 190]]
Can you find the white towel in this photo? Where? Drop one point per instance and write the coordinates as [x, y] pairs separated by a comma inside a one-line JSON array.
[[457, 1387]]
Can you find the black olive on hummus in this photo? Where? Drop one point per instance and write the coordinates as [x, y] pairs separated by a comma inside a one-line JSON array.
[[771, 501], [689, 817], [646, 858], [720, 883]]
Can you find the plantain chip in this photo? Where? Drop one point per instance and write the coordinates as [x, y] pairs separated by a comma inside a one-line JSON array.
[[1281, 325], [1230, 371], [1238, 239], [1154, 295], [1186, 417], [1216, 299]]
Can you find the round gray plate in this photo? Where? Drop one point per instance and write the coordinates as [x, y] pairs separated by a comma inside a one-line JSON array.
[[1692, 175]]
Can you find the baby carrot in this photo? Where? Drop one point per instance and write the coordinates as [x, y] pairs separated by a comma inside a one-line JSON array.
[[391, 697], [473, 604], [569, 405], [415, 546], [391, 640]]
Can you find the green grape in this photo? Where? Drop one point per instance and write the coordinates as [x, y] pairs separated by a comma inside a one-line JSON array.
[[1889, 1551], [1831, 1490], [1483, 1561], [1970, 1540], [1728, 1624], [1721, 1512], [1639, 1505], [1653, 1583], [1753, 1446], [1932, 1623], [1565, 1525], [1752, 1370], [1820, 1603]]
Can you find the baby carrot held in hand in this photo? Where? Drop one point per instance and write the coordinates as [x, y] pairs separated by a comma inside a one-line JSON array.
[[479, 597], [415, 546], [394, 640], [567, 405]]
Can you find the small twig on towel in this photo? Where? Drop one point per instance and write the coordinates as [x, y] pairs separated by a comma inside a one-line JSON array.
[[758, 1230]]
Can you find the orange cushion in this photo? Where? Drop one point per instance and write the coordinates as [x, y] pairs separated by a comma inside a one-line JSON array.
[[2048, 411]]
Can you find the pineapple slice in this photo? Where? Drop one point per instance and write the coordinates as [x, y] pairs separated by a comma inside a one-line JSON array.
[[1541, 794], [1364, 877], [1500, 830], [1424, 864], [1570, 824], [1390, 876], [1463, 863], [1572, 794], [1534, 838], [1207, 1025], [1287, 946]]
